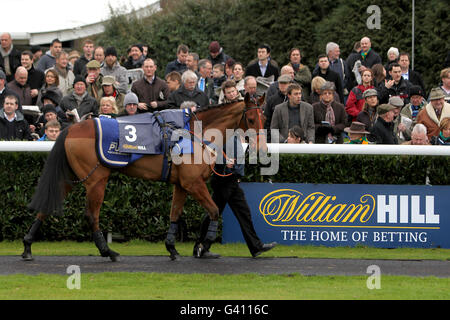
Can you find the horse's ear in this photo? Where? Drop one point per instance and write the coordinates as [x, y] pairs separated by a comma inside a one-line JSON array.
[[247, 98], [262, 99]]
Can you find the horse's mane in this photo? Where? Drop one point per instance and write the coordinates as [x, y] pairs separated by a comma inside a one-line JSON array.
[[215, 106]]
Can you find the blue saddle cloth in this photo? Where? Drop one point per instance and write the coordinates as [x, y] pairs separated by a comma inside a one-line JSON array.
[[121, 141]]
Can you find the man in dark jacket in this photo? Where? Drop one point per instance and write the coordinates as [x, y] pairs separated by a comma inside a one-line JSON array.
[[263, 67], [79, 99], [325, 72], [36, 78], [13, 125], [20, 87], [383, 129], [396, 86], [179, 64], [216, 54], [188, 92], [9, 56], [151, 90], [79, 67]]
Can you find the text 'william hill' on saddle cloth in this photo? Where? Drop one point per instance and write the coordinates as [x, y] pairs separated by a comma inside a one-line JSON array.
[[124, 140]]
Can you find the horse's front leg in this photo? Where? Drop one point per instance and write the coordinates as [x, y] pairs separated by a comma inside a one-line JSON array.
[[95, 192], [178, 200]]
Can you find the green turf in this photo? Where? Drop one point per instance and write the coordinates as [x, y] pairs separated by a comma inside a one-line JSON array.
[[239, 250], [220, 287]]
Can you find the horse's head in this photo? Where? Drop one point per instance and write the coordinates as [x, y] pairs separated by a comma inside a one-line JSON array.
[[254, 119]]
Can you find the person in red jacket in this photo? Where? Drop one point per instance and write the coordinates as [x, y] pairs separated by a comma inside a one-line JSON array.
[[355, 101]]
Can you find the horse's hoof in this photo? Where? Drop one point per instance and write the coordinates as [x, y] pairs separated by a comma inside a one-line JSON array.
[[27, 257], [114, 256]]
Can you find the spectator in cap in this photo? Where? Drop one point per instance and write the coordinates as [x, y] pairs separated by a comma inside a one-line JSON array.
[[355, 101], [130, 102], [179, 64], [74, 55], [357, 133], [109, 89], [369, 115], [330, 118], [275, 99], [78, 100], [434, 112], [383, 129], [216, 54], [111, 67], [416, 103], [135, 57], [273, 88], [51, 112], [94, 79], [403, 133]]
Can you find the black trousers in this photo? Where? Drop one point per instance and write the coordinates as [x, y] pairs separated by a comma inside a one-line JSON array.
[[227, 190]]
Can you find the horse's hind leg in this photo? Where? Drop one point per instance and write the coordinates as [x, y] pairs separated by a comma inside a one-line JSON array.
[[178, 200], [31, 236], [95, 192]]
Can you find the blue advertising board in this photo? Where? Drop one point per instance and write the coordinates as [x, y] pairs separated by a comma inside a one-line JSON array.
[[385, 216]]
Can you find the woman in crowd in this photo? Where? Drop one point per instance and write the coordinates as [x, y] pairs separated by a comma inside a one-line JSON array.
[[443, 139], [355, 101]]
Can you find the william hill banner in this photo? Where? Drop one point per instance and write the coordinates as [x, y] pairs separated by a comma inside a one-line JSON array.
[[386, 216]]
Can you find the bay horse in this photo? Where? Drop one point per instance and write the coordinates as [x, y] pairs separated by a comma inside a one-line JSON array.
[[73, 159]]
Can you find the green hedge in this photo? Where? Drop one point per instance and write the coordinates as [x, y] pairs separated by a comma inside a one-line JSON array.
[[139, 209]]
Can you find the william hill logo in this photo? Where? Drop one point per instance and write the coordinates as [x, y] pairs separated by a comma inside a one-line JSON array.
[[287, 207]]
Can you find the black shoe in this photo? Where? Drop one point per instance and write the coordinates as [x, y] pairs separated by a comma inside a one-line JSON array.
[[264, 248], [201, 253]]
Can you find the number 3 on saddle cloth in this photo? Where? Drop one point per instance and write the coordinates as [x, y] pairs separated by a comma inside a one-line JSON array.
[[123, 140]]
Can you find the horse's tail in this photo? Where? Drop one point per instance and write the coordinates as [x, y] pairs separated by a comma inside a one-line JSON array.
[[50, 192]]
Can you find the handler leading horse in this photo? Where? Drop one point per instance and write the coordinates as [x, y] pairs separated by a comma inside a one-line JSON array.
[[73, 158]]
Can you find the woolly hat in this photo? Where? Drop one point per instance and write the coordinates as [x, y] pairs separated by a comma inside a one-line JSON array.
[[79, 78], [214, 47], [130, 98]]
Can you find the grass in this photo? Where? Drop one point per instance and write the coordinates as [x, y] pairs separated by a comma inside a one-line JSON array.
[[151, 286], [142, 248], [165, 286]]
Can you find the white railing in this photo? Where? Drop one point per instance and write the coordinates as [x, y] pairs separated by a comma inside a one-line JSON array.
[[46, 146]]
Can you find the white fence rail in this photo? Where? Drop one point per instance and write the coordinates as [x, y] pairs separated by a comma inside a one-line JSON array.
[[46, 146]]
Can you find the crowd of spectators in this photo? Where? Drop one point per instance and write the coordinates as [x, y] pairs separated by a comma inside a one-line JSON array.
[[359, 99]]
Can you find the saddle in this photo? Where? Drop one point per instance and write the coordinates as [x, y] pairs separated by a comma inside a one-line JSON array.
[[124, 140]]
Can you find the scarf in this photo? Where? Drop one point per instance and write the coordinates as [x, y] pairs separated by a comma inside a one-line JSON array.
[[329, 116], [364, 54], [414, 111], [442, 140]]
